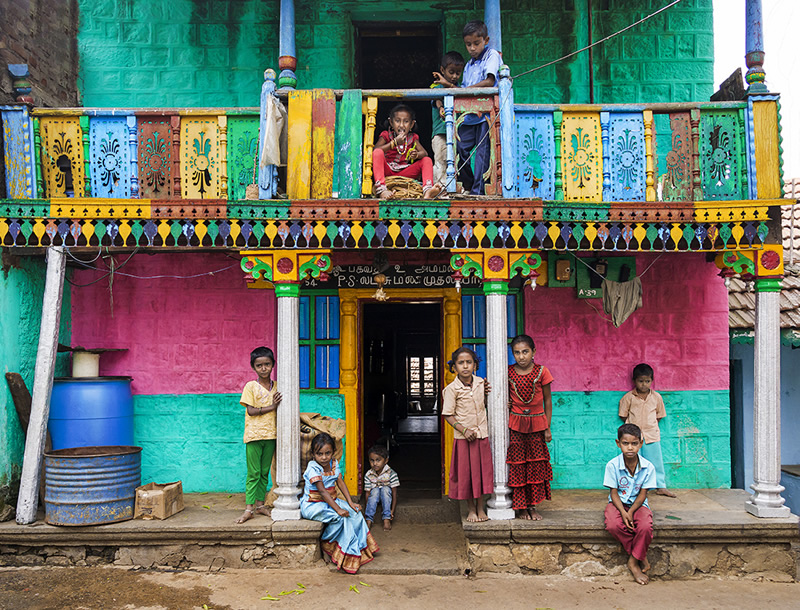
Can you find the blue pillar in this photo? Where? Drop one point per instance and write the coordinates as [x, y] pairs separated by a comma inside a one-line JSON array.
[[491, 16], [508, 143], [287, 57], [754, 41], [267, 174]]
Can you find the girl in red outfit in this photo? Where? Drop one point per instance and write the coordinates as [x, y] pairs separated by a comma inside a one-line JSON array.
[[398, 152], [531, 409]]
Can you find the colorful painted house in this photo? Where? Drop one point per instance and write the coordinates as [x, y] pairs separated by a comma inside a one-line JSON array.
[[604, 163]]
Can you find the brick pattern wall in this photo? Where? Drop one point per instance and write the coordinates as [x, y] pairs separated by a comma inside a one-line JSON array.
[[695, 438], [41, 33], [213, 53]]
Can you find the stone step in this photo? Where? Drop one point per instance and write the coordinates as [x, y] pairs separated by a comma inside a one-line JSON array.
[[410, 548]]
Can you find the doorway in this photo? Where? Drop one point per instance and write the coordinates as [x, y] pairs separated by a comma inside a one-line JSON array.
[[399, 56], [402, 382]]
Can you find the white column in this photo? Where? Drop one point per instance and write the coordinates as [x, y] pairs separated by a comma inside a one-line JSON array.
[[27, 502], [499, 505], [766, 500], [287, 354]]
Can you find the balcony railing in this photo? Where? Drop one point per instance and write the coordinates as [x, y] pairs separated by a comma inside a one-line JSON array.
[[584, 162]]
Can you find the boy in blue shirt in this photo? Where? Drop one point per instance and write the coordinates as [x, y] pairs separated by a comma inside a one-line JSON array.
[[481, 71], [627, 515]]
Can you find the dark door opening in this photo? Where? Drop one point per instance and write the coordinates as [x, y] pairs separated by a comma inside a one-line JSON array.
[[401, 373], [399, 56]]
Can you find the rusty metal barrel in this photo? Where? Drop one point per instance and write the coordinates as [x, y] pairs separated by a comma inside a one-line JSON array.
[[91, 485]]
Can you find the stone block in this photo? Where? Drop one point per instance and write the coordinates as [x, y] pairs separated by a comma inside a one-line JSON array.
[[570, 451], [538, 558], [136, 33], [492, 558], [691, 558], [585, 569], [765, 558], [154, 57]]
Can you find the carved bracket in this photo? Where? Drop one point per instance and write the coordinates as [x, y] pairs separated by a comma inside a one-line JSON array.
[[496, 264], [286, 266]]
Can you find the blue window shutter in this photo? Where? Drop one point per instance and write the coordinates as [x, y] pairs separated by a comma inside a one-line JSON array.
[[305, 367], [305, 317]]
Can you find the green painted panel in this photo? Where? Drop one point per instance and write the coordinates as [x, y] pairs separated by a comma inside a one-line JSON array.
[[348, 146], [242, 147], [204, 451], [21, 293]]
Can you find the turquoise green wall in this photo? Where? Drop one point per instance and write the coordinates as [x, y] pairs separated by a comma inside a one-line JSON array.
[[21, 293], [197, 438], [213, 53], [695, 438]]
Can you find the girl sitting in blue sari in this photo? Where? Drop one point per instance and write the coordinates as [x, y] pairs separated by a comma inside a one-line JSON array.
[[346, 538]]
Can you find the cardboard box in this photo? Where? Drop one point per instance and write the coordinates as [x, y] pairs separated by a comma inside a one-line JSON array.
[[158, 500]]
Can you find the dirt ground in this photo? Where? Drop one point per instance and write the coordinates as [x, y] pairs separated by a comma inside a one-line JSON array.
[[117, 588]]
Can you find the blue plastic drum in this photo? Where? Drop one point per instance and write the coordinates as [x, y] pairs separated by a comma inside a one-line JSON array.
[[91, 485], [91, 412]]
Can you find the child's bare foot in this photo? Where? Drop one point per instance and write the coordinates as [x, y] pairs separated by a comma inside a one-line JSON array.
[[369, 524], [387, 525], [472, 517], [524, 514], [535, 516], [383, 192], [482, 516], [645, 565], [663, 491], [638, 575], [246, 515], [263, 510], [431, 192]]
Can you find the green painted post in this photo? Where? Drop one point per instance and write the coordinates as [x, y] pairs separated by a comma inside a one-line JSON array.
[[347, 170], [87, 159]]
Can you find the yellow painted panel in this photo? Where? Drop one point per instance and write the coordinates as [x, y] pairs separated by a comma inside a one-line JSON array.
[[323, 132], [201, 160], [298, 173], [582, 156], [765, 121], [62, 143], [96, 207]]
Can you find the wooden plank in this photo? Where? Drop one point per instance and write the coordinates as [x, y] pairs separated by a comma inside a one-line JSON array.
[[61, 142], [298, 173], [110, 157], [348, 145], [201, 157], [719, 154], [155, 158], [627, 138], [370, 109], [677, 180], [582, 157], [18, 153], [323, 136], [765, 119], [536, 154], [42, 384], [242, 153]]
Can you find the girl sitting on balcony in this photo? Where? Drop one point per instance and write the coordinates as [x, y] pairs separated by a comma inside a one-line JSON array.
[[398, 152]]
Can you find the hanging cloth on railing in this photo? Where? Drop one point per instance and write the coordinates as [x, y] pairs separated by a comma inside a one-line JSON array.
[[621, 299], [275, 138]]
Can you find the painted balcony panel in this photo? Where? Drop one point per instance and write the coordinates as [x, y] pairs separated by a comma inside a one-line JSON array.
[[537, 156], [676, 181], [62, 156], [582, 157], [110, 157], [156, 160], [242, 155], [626, 157], [18, 152], [721, 143], [202, 156]]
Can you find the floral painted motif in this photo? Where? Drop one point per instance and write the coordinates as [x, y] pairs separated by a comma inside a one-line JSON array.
[[155, 160], [201, 163], [62, 161], [719, 154], [110, 161], [581, 157], [533, 145], [627, 158]]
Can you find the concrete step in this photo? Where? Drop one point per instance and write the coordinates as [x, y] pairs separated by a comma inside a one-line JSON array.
[[422, 511]]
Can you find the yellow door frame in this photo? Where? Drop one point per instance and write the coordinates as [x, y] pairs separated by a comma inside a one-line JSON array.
[[350, 343]]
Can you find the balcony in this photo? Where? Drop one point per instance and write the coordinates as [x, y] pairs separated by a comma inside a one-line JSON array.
[[695, 176]]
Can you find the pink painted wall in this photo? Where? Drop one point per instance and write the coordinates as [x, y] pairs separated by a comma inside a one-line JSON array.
[[681, 331], [184, 336]]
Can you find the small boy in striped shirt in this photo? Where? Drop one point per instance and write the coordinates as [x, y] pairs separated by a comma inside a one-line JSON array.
[[380, 485]]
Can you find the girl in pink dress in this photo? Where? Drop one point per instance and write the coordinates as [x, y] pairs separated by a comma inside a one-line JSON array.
[[531, 409], [398, 152]]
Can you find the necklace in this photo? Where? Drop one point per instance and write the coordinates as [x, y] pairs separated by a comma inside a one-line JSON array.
[[402, 148], [533, 389]]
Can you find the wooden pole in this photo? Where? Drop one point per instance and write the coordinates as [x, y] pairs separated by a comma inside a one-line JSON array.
[[42, 385]]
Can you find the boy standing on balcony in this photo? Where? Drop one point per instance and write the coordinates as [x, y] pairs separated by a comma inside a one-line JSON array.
[[481, 71], [450, 70]]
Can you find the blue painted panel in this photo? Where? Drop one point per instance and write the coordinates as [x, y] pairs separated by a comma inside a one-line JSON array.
[[18, 154], [304, 315], [535, 154], [327, 366], [627, 156], [511, 315], [110, 157], [305, 367], [473, 316], [326, 318]]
